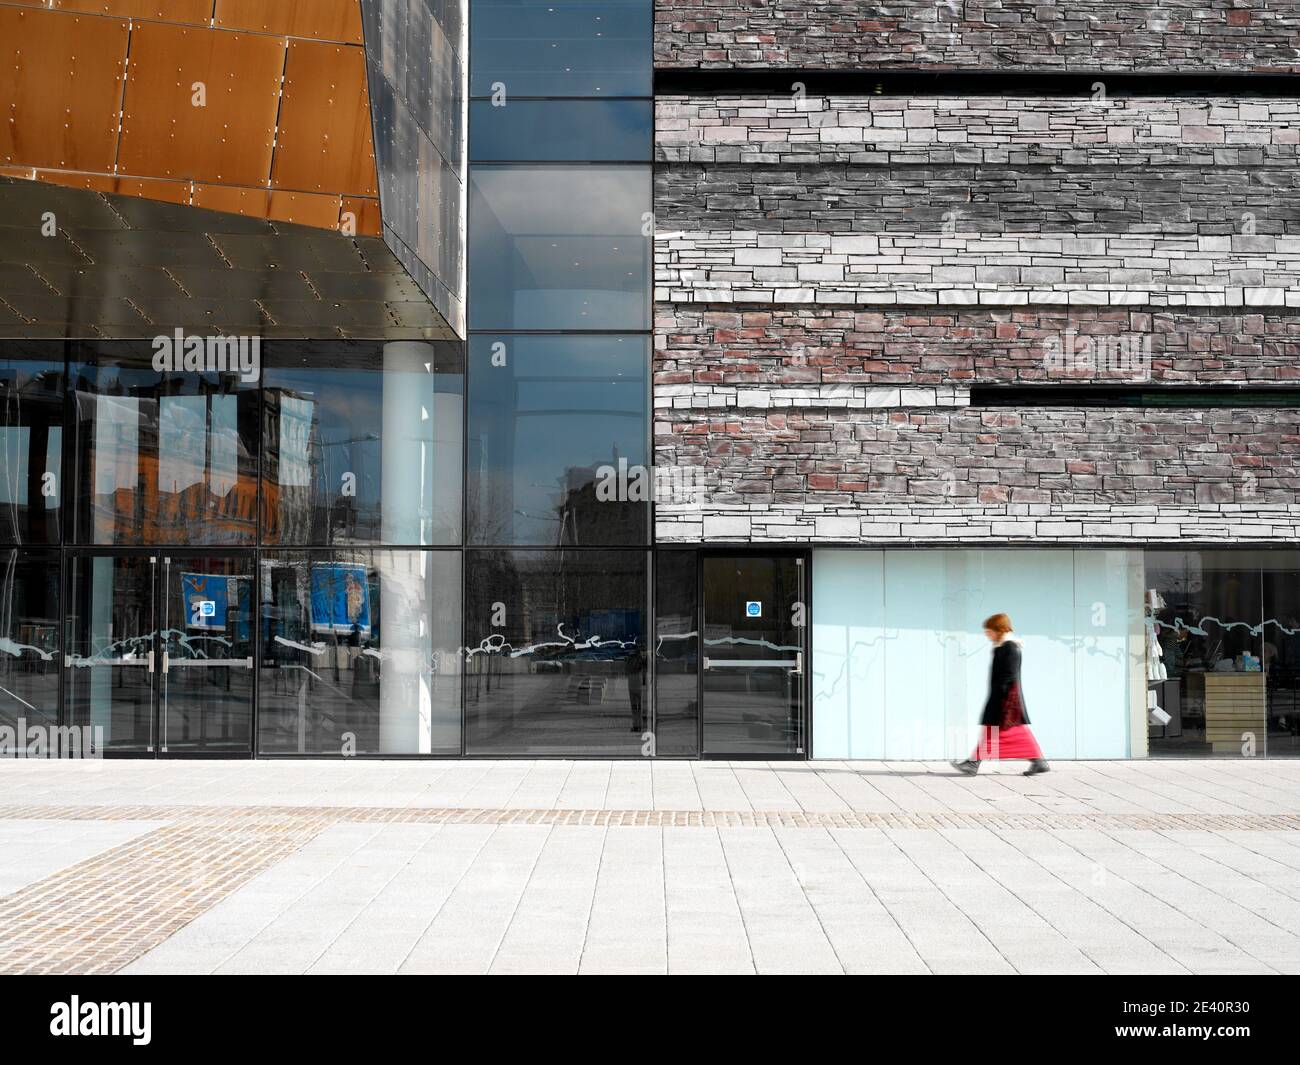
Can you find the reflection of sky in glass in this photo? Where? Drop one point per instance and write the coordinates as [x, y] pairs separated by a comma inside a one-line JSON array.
[[554, 48], [562, 130], [559, 408], [330, 421], [14, 445], [559, 247]]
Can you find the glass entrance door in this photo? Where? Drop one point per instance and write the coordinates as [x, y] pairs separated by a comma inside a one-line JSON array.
[[206, 671], [160, 651], [753, 656]]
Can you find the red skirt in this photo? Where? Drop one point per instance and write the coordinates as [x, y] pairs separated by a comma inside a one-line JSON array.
[[1013, 742]]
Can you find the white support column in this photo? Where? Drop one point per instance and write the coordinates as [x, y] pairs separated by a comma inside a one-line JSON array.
[[406, 501]]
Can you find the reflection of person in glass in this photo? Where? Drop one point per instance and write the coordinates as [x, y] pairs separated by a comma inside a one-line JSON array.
[[1005, 721], [635, 664]]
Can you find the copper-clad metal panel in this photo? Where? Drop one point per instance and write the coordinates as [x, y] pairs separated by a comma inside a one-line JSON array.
[[149, 188], [303, 208], [326, 142], [60, 87], [324, 20], [365, 218], [229, 139], [191, 12]]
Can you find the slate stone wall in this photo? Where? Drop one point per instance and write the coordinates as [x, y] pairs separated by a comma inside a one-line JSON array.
[[1177, 35], [835, 273]]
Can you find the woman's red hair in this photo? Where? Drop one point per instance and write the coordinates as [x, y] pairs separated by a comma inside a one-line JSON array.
[[999, 623]]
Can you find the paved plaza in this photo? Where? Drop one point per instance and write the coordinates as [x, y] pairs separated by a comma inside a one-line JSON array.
[[633, 867]]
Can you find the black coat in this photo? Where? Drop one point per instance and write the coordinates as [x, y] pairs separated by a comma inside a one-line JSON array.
[[1004, 685]]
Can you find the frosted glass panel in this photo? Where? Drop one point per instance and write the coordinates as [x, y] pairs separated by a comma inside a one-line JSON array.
[[1108, 620], [901, 664], [848, 677], [928, 675]]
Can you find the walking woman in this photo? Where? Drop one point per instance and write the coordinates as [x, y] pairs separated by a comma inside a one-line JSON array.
[[1005, 722]]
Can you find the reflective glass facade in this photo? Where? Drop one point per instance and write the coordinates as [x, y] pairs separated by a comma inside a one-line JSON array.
[[257, 561], [558, 418]]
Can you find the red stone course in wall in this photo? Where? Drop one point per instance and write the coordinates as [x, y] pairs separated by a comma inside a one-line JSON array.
[[823, 345]]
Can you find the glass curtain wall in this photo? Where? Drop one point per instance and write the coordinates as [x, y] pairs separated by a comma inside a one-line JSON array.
[[558, 455], [360, 645], [284, 535]]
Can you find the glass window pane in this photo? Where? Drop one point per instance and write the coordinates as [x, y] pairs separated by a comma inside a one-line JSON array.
[[562, 130], [1281, 647], [677, 642], [30, 627], [559, 247], [360, 652], [31, 450], [556, 656], [1205, 615], [363, 444], [565, 48], [112, 650], [558, 440], [162, 456]]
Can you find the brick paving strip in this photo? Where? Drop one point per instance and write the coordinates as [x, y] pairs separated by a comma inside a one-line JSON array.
[[457, 815], [102, 913]]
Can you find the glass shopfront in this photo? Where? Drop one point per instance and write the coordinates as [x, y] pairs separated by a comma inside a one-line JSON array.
[[900, 662], [359, 652], [1127, 653], [1224, 652]]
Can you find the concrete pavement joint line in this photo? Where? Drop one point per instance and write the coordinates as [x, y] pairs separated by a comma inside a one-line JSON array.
[[1225, 902], [271, 815], [881, 902]]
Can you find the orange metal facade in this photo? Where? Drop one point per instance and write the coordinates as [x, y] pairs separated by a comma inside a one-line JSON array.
[[238, 106]]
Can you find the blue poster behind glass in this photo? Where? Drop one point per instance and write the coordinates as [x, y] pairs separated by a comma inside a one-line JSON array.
[[207, 600], [340, 599]]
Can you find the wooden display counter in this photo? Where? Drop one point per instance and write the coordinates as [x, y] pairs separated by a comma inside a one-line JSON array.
[[1234, 705]]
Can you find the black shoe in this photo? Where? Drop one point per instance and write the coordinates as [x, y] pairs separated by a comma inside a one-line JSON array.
[[970, 767], [1038, 765]]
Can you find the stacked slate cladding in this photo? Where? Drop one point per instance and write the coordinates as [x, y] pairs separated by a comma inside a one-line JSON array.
[[1177, 35], [835, 272]]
